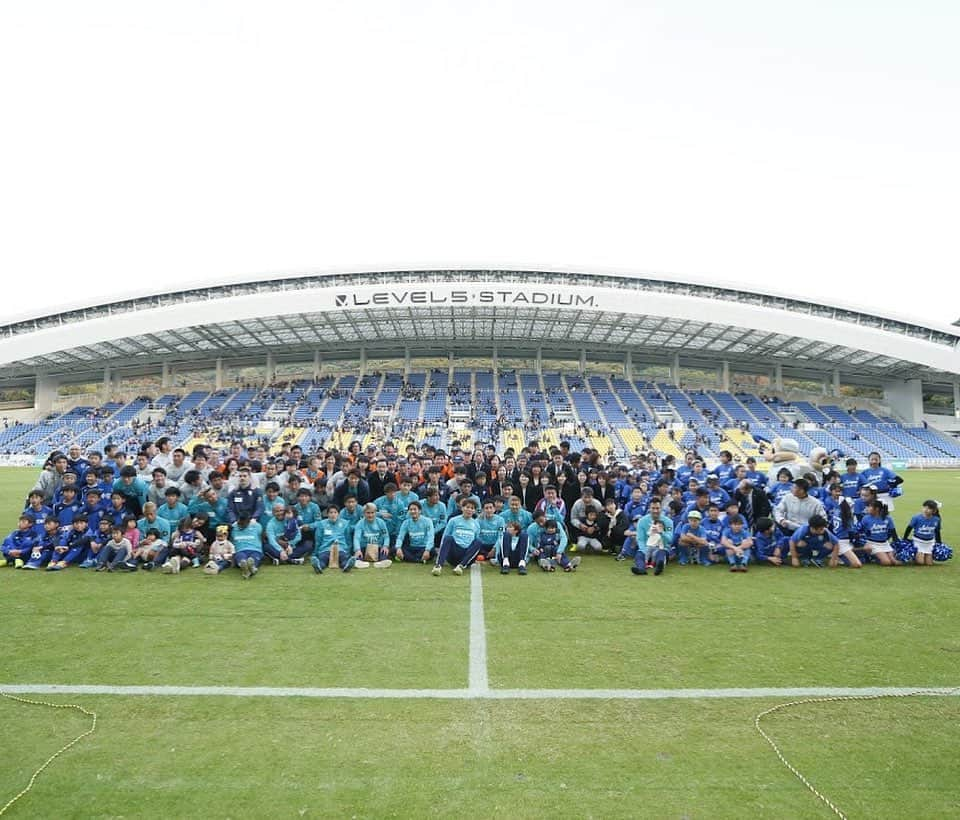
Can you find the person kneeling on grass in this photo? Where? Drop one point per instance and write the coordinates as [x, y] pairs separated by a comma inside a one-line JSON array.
[[766, 542], [49, 541], [737, 542], [513, 549], [415, 536], [247, 538], [812, 543], [20, 543], [878, 529], [926, 532], [371, 539], [460, 544], [331, 539], [221, 552]]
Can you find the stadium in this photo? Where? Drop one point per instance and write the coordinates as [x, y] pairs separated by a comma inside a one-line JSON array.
[[393, 692], [617, 362]]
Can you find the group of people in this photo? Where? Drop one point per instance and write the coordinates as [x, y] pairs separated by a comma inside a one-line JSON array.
[[163, 508]]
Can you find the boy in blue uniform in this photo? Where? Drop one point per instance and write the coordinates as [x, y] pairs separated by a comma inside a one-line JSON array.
[[766, 542], [38, 510], [713, 531], [737, 542], [812, 543], [20, 543], [74, 546], [49, 541], [550, 548]]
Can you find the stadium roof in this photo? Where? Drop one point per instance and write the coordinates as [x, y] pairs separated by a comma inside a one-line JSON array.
[[468, 312]]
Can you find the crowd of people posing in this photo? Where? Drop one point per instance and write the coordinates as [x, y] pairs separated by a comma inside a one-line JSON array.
[[171, 510]]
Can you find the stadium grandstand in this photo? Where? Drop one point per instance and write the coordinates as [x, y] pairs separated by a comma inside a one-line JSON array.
[[613, 361]]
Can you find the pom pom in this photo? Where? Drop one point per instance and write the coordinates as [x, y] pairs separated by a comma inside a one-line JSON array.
[[905, 550], [896, 492], [857, 540], [941, 552]]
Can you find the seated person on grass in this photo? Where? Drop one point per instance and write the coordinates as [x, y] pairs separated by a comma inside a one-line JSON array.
[[331, 542], [415, 537], [812, 543]]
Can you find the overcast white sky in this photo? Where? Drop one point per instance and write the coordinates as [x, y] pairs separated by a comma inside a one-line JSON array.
[[810, 147]]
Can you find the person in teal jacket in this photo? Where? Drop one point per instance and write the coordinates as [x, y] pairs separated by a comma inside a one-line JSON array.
[[327, 532], [284, 543], [516, 512], [647, 534], [391, 510], [210, 503], [247, 537], [436, 511], [491, 527], [415, 537], [460, 544], [308, 513], [371, 531], [174, 509], [351, 513]]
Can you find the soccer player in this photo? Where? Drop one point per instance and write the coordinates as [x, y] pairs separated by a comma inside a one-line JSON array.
[[18, 546], [371, 538], [328, 533], [513, 549], [812, 543], [737, 542], [460, 544], [247, 537]]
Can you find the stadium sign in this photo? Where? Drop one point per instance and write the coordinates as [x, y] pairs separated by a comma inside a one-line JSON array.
[[365, 298]]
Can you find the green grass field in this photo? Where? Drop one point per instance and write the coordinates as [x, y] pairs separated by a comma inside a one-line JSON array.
[[402, 628]]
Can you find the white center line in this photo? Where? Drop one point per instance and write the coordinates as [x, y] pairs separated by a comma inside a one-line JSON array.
[[479, 683]]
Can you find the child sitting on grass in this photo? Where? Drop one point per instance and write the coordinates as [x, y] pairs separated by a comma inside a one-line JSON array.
[[221, 552]]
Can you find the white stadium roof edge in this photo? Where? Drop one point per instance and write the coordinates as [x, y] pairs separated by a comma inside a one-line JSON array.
[[430, 311]]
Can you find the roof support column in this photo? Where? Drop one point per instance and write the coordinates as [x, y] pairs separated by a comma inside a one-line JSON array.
[[583, 361], [450, 369], [271, 368], [836, 382], [778, 378], [44, 393], [317, 365], [218, 381], [166, 375], [107, 384], [538, 364], [905, 398], [725, 377], [363, 362], [406, 362], [628, 366], [675, 370], [956, 399], [495, 360]]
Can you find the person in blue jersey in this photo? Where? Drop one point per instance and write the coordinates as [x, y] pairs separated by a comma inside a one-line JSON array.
[[868, 494], [247, 538], [98, 541], [244, 498], [49, 541], [69, 481], [283, 542], [330, 534], [38, 510], [516, 512], [371, 539], [307, 512], [725, 468], [737, 542], [756, 478], [465, 491], [654, 534], [878, 529], [689, 495], [634, 510], [184, 546], [925, 528], [390, 510], [19, 544], [812, 543], [74, 546], [434, 508], [691, 536], [76, 462], [882, 478], [767, 545], [843, 524], [782, 488], [850, 481], [684, 470], [512, 552], [713, 531], [415, 537], [460, 544], [151, 520], [93, 507], [547, 543]]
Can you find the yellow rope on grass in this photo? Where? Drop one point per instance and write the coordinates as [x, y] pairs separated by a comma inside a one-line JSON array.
[[836, 810], [55, 755]]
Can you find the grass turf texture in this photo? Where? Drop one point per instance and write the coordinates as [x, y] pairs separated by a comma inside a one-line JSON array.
[[600, 627]]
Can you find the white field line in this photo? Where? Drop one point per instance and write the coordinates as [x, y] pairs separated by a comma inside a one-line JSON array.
[[470, 694], [478, 681]]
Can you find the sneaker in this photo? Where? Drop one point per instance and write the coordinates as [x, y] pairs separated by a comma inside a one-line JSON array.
[[458, 570], [734, 568], [816, 562], [658, 567], [18, 563], [296, 561], [522, 570], [53, 566], [382, 564], [544, 564], [101, 567], [436, 571], [743, 568], [245, 566], [148, 565], [129, 566], [276, 562], [89, 563], [167, 568], [254, 569], [211, 568], [351, 561], [638, 570], [361, 564], [30, 565], [575, 562], [621, 558], [176, 566], [195, 562], [505, 569]]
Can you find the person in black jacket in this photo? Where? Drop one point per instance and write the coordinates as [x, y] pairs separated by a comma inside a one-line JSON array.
[[613, 526], [753, 502], [355, 486]]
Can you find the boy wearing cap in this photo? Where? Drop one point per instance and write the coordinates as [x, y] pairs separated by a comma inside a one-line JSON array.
[[221, 551], [18, 545]]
